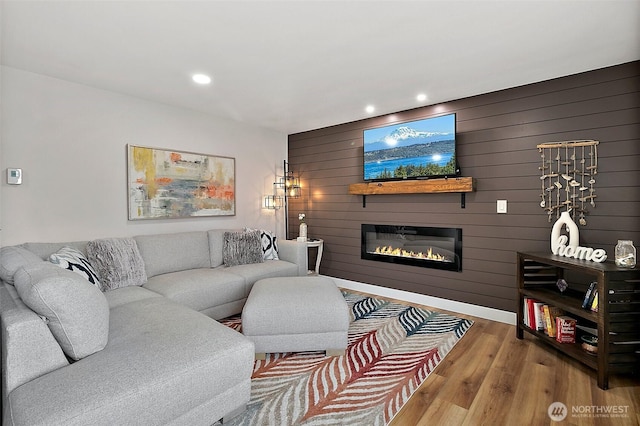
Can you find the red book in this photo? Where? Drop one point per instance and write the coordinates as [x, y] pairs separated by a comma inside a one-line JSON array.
[[532, 313], [565, 329]]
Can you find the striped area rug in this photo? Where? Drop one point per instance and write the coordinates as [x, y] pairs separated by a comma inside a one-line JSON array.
[[392, 349]]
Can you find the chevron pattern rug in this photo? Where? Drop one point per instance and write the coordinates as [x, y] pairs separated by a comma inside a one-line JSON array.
[[392, 349]]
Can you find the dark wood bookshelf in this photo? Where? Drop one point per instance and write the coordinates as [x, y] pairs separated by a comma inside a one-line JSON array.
[[616, 321]]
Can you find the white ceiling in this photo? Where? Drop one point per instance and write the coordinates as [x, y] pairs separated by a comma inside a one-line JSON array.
[[300, 65]]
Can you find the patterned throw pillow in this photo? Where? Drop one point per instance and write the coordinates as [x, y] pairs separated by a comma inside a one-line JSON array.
[[241, 248], [73, 260], [269, 245]]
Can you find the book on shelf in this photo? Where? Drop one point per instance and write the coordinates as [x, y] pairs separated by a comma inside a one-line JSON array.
[[532, 314], [589, 294], [528, 315], [538, 315], [549, 329], [566, 329], [594, 303], [528, 312], [550, 315]]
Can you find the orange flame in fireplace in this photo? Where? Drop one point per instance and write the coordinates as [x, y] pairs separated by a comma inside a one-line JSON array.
[[429, 255]]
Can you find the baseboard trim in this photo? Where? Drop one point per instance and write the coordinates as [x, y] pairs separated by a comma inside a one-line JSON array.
[[436, 302]]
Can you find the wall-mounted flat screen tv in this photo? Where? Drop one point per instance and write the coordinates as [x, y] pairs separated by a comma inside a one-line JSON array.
[[412, 150]]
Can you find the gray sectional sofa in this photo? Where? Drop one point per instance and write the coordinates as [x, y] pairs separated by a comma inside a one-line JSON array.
[[145, 353]]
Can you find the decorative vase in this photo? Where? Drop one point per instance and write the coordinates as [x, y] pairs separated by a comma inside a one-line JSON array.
[[303, 230], [625, 254], [572, 229]]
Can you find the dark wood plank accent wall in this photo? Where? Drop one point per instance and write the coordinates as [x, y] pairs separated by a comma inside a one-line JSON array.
[[497, 137]]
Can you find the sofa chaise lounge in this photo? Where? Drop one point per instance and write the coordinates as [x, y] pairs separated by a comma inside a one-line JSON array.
[[146, 353]]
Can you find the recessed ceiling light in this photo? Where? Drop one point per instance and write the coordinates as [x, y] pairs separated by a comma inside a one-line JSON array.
[[201, 78], [421, 97], [370, 109]]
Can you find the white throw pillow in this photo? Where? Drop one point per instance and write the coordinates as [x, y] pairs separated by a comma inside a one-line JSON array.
[[75, 261], [269, 245]]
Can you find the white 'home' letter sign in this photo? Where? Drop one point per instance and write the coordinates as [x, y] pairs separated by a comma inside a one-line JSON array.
[[560, 247]]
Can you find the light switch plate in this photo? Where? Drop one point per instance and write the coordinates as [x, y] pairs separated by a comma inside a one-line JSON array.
[[14, 176], [501, 206]]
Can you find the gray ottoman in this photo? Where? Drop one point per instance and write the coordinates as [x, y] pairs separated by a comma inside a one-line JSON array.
[[296, 314]]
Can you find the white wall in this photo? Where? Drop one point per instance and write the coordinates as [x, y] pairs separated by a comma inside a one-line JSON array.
[[70, 141]]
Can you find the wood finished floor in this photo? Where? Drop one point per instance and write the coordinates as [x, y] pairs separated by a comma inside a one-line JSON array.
[[492, 378]]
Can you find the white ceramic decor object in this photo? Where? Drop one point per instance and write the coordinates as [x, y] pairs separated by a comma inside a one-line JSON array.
[[559, 242]]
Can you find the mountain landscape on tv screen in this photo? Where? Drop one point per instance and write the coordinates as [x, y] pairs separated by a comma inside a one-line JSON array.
[[406, 136], [408, 153], [441, 148]]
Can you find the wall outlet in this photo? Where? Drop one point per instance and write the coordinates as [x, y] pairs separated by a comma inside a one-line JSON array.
[[501, 206]]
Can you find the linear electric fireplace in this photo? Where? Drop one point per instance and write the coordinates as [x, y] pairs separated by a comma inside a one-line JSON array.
[[439, 248]]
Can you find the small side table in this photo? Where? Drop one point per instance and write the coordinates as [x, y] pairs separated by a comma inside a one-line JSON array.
[[320, 245]]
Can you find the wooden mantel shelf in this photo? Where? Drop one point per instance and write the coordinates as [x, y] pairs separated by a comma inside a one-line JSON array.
[[427, 186]]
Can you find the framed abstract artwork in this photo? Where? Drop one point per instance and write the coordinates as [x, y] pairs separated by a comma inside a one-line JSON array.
[[168, 184]]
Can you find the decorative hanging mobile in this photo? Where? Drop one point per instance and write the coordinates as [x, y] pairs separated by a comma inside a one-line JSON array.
[[568, 177]]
